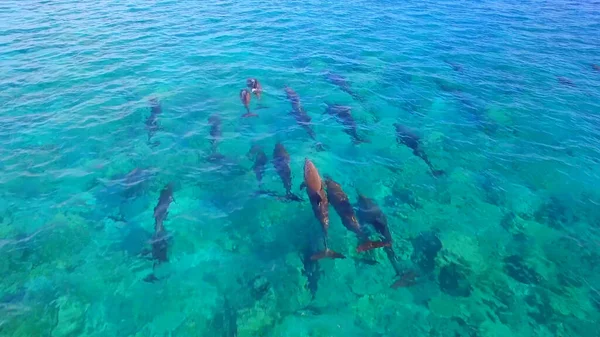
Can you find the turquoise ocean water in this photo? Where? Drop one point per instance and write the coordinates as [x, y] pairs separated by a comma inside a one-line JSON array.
[[503, 95]]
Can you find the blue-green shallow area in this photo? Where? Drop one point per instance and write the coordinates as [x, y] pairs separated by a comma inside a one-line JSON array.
[[504, 95]]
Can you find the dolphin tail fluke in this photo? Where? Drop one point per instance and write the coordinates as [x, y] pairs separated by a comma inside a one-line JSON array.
[[320, 147], [434, 172], [262, 191], [357, 191], [369, 245], [393, 260], [438, 173], [356, 96], [291, 196], [146, 253], [279, 197], [151, 278], [406, 279], [327, 253], [360, 140], [215, 156]]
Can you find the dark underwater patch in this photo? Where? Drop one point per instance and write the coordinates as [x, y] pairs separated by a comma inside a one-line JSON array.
[[568, 279], [540, 308], [426, 246], [453, 281], [402, 196], [515, 267], [493, 193], [225, 320], [595, 299], [135, 239], [259, 286], [555, 214]]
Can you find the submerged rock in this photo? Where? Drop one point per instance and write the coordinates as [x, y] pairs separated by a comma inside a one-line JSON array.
[[453, 281], [225, 320], [426, 246], [574, 260], [569, 279], [494, 329], [328, 324], [259, 287], [257, 320], [402, 196], [71, 318], [508, 221], [555, 214], [595, 299], [64, 237], [540, 307], [515, 267], [492, 191], [135, 239]]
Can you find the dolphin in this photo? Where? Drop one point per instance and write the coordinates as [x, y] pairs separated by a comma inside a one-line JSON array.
[[245, 98], [281, 162], [369, 212], [343, 115], [301, 117], [152, 121], [254, 86], [407, 137], [320, 205], [344, 209]]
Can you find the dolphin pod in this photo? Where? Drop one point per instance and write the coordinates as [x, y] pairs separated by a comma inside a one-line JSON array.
[[321, 193]]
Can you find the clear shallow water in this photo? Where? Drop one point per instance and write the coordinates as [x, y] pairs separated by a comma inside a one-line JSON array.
[[503, 94]]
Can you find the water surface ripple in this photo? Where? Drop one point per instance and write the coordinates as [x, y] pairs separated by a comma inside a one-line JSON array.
[[504, 95]]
